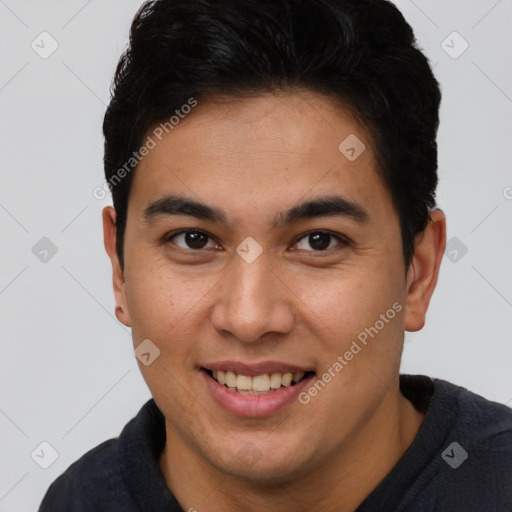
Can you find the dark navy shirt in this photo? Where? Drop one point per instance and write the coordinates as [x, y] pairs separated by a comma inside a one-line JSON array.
[[460, 460]]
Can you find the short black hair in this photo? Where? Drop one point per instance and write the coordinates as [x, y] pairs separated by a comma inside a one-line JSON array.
[[361, 52]]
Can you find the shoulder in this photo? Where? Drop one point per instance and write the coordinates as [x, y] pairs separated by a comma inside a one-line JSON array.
[[87, 482], [97, 480], [482, 423], [476, 456]]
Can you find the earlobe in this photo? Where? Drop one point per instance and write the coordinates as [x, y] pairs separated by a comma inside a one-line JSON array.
[[424, 270], [118, 281], [123, 316]]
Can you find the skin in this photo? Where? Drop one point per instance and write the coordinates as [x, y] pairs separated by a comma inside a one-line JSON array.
[[253, 158]]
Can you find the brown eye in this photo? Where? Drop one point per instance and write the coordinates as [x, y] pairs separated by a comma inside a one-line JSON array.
[[319, 241], [192, 240]]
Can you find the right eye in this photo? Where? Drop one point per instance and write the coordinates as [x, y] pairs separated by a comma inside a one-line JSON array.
[[192, 239]]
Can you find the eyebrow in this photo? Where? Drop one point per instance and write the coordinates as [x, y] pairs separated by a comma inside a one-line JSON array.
[[178, 205], [332, 205]]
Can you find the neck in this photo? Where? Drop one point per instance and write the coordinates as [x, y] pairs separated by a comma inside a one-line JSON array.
[[340, 483]]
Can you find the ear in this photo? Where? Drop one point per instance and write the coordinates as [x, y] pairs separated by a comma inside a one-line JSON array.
[[109, 240], [423, 271]]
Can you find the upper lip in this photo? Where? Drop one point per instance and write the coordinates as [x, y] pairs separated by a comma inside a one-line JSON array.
[[253, 369]]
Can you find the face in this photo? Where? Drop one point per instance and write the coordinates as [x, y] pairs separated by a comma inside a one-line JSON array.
[[258, 254]]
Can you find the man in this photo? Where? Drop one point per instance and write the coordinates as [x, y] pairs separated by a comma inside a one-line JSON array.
[[274, 234]]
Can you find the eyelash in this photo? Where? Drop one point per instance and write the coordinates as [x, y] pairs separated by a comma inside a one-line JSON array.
[[342, 241]]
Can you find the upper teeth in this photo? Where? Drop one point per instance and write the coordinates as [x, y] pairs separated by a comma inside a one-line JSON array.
[[263, 382]]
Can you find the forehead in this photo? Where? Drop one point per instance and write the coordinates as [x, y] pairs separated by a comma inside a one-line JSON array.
[[264, 150]]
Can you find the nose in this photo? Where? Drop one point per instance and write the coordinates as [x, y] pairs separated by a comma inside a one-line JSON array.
[[252, 301]]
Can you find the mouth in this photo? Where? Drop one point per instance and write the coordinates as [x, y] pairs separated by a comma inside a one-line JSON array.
[[263, 384], [255, 391]]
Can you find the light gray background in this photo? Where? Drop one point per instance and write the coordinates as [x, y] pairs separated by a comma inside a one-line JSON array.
[[68, 374]]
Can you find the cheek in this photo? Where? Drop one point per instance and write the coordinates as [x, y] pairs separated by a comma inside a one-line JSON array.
[[162, 303], [357, 314], [345, 301]]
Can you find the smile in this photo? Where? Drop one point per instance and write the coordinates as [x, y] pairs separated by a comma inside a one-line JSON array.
[[255, 391], [257, 384]]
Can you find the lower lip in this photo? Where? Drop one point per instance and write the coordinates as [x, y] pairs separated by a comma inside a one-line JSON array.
[[254, 405]]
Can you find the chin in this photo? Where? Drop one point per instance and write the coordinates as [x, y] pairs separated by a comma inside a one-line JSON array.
[[262, 466]]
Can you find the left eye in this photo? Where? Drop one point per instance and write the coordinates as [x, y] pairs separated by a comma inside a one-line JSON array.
[[192, 240], [319, 241]]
